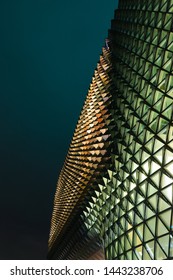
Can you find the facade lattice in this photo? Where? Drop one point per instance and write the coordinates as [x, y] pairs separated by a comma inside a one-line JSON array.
[[115, 191]]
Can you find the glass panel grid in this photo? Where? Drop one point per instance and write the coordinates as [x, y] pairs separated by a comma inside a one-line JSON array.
[[120, 159]]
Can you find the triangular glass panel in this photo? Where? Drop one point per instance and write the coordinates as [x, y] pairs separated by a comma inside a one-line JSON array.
[[170, 144], [169, 167], [164, 243], [140, 198], [139, 230], [145, 156], [139, 252], [154, 167], [141, 209], [153, 200], [161, 229], [165, 181], [163, 205], [160, 254], [146, 255], [163, 123], [136, 240], [138, 218], [121, 243], [167, 113], [143, 189], [149, 213], [166, 218], [158, 96], [132, 185], [156, 178], [149, 145], [150, 248], [159, 156], [168, 193], [152, 225], [157, 145], [147, 234], [167, 23], [168, 156], [151, 190], [101, 187], [154, 124]]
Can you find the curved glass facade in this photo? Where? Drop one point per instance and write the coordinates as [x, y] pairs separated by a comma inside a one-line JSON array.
[[117, 180]]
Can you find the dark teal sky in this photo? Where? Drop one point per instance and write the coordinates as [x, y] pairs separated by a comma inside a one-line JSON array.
[[48, 53]]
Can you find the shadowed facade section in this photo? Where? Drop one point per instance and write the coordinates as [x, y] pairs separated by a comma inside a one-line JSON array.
[[89, 152], [115, 191]]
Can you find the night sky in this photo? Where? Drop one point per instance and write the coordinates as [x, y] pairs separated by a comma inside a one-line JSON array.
[[48, 53]]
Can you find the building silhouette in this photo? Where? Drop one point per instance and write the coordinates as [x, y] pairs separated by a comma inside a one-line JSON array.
[[114, 196]]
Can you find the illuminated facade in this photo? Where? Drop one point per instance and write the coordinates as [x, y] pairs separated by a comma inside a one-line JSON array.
[[114, 196]]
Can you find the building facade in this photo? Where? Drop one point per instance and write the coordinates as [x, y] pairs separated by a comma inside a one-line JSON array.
[[114, 196]]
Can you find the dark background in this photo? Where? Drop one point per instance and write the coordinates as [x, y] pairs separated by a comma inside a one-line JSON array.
[[48, 53]]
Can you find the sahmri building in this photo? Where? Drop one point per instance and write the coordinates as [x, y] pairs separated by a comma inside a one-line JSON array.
[[114, 196]]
